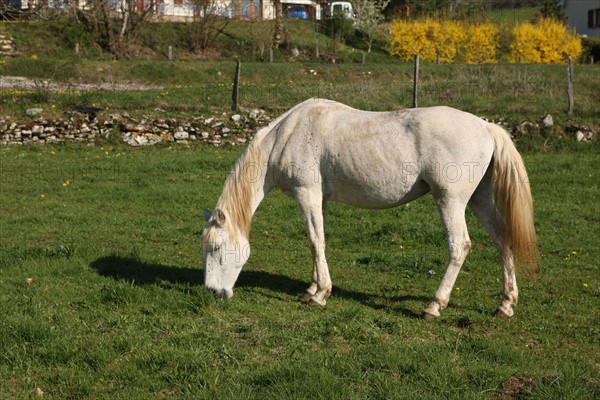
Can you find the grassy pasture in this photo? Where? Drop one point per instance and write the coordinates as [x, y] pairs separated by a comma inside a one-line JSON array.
[[101, 284], [101, 296], [186, 88]]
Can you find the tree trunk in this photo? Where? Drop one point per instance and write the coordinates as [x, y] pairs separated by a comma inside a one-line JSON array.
[[278, 24], [110, 41]]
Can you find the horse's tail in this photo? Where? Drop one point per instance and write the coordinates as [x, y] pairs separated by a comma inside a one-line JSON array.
[[513, 199]]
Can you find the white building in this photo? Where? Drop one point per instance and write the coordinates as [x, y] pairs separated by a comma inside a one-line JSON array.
[[584, 16], [252, 10]]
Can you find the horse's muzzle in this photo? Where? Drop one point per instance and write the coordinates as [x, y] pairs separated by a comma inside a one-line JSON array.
[[222, 294]]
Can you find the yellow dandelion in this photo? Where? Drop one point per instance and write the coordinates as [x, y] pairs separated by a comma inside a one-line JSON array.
[[458, 289], [34, 57], [106, 152], [53, 152], [573, 252], [42, 196], [585, 285]]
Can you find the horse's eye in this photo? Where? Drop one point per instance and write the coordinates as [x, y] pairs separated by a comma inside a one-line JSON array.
[[211, 246]]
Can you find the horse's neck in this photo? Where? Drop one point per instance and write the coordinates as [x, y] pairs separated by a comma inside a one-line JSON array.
[[245, 188]]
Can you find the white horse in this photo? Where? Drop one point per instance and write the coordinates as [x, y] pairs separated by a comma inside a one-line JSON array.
[[321, 150]]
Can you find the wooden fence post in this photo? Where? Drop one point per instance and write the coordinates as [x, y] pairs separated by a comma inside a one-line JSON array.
[[236, 87], [416, 82], [570, 85]]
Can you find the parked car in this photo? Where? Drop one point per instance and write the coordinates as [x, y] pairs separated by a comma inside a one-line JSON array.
[[297, 11], [344, 7]]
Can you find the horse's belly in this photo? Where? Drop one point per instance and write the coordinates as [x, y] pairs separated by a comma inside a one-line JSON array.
[[375, 194]]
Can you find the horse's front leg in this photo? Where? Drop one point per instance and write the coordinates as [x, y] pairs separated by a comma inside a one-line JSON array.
[[311, 206]]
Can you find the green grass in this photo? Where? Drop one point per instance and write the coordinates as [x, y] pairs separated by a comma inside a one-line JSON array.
[[515, 15], [187, 88], [101, 289]]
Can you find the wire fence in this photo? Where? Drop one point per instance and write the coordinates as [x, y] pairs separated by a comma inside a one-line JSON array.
[[493, 89]]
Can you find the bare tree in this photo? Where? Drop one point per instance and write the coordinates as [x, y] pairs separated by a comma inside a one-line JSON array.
[[133, 15], [115, 23], [369, 14], [278, 24], [204, 24]]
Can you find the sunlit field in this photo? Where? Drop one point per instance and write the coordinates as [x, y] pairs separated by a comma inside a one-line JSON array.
[[101, 289]]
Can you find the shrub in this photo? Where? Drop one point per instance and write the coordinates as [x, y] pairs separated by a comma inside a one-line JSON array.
[[444, 41], [591, 47], [407, 40], [432, 40], [447, 39], [547, 41], [480, 43]]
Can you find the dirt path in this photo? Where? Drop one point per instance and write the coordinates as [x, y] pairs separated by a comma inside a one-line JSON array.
[[22, 83]]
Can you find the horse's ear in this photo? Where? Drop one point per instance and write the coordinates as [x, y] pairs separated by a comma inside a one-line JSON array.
[[207, 214], [219, 216]]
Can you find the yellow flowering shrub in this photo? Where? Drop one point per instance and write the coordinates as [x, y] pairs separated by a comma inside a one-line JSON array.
[[480, 43], [448, 39], [523, 47], [548, 41], [428, 38], [409, 39]]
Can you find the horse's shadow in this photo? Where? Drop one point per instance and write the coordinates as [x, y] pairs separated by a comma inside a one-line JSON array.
[[141, 273]]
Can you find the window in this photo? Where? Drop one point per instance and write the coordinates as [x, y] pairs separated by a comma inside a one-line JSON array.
[[594, 18]]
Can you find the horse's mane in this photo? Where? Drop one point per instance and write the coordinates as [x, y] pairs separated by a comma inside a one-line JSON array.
[[238, 193]]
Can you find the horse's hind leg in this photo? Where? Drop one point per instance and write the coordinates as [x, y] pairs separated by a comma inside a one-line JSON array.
[[452, 212], [311, 206], [484, 208]]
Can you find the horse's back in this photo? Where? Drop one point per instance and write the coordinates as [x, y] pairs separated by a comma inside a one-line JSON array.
[[335, 124], [378, 159]]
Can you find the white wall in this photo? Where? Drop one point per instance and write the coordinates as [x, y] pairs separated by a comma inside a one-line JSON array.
[[577, 15]]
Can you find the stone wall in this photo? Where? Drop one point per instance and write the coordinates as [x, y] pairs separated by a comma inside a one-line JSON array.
[[222, 129], [217, 130]]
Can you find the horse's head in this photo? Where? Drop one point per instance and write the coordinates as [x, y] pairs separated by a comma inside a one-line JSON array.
[[224, 252]]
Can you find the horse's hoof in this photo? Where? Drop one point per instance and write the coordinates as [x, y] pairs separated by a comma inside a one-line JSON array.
[[305, 298], [313, 302], [428, 316], [501, 314]]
